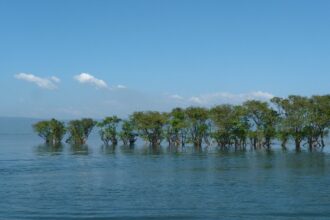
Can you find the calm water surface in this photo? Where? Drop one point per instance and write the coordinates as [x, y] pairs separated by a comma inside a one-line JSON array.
[[95, 182]]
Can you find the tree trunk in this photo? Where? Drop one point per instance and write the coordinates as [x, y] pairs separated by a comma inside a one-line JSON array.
[[297, 143], [322, 140], [198, 144], [310, 144]]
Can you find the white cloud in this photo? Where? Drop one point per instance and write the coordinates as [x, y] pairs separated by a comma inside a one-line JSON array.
[[86, 78], [177, 97], [262, 95], [222, 98], [230, 98], [55, 79], [121, 87], [197, 100], [44, 83]]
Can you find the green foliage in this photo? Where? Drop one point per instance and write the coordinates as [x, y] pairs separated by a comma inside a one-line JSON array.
[[79, 130], [128, 134], [51, 131], [319, 119], [304, 120], [230, 126], [150, 126], [294, 116], [198, 125], [108, 130], [262, 120], [176, 127]]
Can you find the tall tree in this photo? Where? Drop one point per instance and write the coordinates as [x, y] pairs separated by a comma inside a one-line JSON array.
[[262, 121], [241, 127], [224, 122], [198, 125], [318, 120], [176, 127], [294, 115]]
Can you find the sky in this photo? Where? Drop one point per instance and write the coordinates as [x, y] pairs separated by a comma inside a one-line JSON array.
[[78, 58]]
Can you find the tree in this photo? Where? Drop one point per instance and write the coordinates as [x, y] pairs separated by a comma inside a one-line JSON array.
[[51, 131], [224, 121], [127, 133], [176, 127], [108, 130], [262, 121], [304, 120], [150, 126], [229, 126], [318, 120], [43, 130], [294, 116], [79, 130], [197, 125]]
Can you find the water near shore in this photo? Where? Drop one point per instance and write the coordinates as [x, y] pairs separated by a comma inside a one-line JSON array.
[[95, 182]]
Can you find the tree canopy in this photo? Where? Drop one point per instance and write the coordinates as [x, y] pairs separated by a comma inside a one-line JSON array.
[[303, 120], [51, 131], [79, 130]]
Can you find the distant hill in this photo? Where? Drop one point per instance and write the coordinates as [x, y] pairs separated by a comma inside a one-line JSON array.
[[14, 125]]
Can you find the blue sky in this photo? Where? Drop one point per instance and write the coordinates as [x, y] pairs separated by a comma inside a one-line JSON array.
[[157, 54]]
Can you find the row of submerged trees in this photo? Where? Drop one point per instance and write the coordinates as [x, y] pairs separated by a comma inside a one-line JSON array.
[[302, 120]]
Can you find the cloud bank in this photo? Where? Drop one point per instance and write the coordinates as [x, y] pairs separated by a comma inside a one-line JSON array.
[[86, 78], [45, 83], [223, 97], [120, 100]]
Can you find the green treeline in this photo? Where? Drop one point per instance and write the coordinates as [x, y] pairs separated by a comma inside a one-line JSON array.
[[302, 120]]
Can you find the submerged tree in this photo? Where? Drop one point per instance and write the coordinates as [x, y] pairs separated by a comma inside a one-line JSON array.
[[108, 130], [241, 128], [198, 125], [305, 121], [51, 131], [176, 127], [223, 121], [128, 135], [262, 121], [79, 130], [229, 126], [294, 117], [150, 126], [43, 130], [319, 120]]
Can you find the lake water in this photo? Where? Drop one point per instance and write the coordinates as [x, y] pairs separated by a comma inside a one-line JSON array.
[[94, 182]]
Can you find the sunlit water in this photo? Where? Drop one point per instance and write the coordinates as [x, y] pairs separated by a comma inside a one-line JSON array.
[[95, 182]]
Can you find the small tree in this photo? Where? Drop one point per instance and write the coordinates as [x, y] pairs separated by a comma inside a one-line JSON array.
[[127, 133], [108, 130], [79, 130], [51, 131]]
